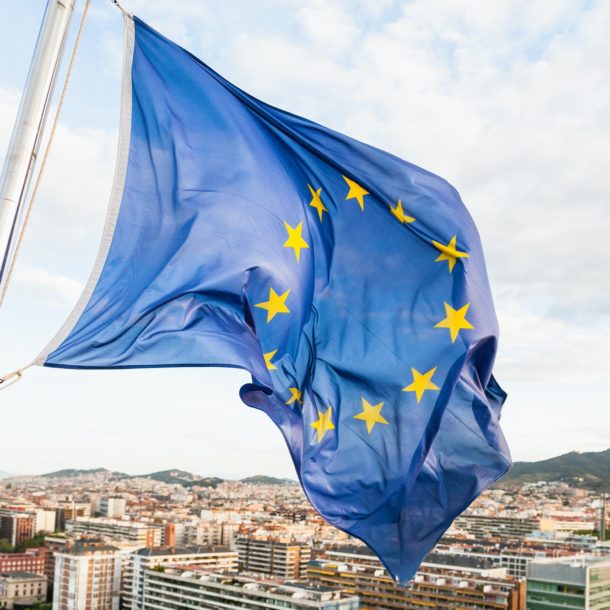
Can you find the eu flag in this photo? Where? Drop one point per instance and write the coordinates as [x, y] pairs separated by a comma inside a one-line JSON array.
[[349, 283]]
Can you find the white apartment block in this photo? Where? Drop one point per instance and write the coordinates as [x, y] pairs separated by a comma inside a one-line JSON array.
[[87, 578], [137, 563], [140, 534], [206, 533], [45, 521], [113, 508], [180, 588]]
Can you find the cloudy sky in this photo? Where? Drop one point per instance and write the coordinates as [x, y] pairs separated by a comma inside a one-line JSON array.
[[508, 100]]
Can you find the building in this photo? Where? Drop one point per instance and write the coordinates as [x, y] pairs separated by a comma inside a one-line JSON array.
[[443, 581], [32, 561], [188, 587], [138, 563], [273, 556], [45, 521], [169, 535], [22, 589], [87, 577], [208, 533], [113, 508], [16, 526], [53, 544], [511, 528], [140, 534], [69, 511], [515, 560], [569, 582]]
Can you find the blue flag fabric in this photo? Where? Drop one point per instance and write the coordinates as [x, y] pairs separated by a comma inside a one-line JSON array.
[[350, 283]]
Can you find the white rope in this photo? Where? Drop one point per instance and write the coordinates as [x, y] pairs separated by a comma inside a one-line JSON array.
[[45, 157], [116, 3], [12, 378]]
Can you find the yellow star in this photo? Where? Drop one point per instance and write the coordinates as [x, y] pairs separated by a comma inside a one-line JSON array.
[[371, 414], [455, 320], [449, 253], [276, 304], [399, 213], [316, 201], [295, 239], [421, 383], [268, 356], [295, 396], [355, 192], [324, 423]]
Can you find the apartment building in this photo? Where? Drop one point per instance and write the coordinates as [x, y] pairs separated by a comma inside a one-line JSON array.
[[443, 581], [138, 563], [510, 528], [140, 534], [569, 582], [53, 544], [69, 511], [16, 526], [87, 577], [209, 533], [274, 556], [113, 508], [44, 521], [32, 561], [192, 587]]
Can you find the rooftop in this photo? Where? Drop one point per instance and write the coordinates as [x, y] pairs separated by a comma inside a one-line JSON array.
[[21, 576], [87, 549], [575, 561], [461, 560], [189, 550], [254, 585]]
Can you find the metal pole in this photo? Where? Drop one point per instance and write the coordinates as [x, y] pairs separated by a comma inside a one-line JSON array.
[[29, 125]]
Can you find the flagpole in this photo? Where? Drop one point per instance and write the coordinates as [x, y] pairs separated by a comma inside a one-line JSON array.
[[29, 126]]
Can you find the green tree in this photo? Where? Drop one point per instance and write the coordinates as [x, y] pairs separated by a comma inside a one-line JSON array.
[[30, 543], [6, 546]]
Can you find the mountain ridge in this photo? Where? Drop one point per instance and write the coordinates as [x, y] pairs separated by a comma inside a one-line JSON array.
[[176, 476], [262, 479], [66, 473], [589, 469], [171, 476]]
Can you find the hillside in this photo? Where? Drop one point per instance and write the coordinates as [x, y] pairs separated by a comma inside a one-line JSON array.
[[591, 469], [69, 473], [181, 477], [261, 479]]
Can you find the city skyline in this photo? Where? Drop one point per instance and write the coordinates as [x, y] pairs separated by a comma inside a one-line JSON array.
[[590, 465], [99, 543], [466, 101]]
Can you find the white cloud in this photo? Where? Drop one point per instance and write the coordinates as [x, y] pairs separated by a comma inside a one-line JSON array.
[[510, 102], [329, 26], [45, 287]]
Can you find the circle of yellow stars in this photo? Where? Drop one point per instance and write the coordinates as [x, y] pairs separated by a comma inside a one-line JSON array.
[[454, 321]]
